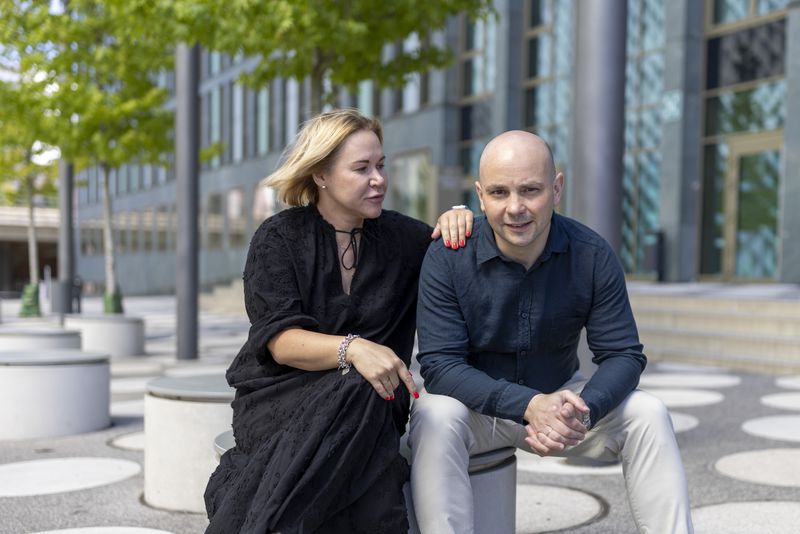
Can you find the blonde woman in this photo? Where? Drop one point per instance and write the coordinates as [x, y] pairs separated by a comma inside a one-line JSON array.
[[322, 383]]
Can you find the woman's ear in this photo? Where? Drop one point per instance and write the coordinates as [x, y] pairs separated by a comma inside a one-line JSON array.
[[319, 178]]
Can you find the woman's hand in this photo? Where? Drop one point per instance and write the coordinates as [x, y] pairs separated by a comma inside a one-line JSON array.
[[454, 226], [381, 367]]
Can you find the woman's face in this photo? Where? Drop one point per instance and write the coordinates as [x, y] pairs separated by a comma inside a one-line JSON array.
[[355, 184]]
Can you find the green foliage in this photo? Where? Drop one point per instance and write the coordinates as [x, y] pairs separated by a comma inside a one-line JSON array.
[[112, 302], [30, 301], [325, 39]]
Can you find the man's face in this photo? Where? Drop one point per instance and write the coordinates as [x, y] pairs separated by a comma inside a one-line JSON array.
[[518, 196]]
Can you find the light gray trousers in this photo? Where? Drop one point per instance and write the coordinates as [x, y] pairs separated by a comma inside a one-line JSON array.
[[444, 433]]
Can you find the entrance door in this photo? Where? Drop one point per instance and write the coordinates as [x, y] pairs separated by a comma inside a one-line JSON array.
[[752, 207]]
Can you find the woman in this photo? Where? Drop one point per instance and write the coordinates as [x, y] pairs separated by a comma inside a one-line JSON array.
[[322, 383]]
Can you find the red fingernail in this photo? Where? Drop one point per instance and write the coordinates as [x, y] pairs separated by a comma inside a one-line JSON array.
[[461, 242], [392, 397], [469, 234], [388, 398], [447, 243], [416, 395], [455, 245]]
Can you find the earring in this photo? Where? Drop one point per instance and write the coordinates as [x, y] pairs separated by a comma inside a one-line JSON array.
[[324, 187]]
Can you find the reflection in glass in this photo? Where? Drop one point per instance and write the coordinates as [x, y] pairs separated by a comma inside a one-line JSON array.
[[730, 10], [713, 210], [648, 206], [628, 214], [653, 24], [757, 215], [652, 82], [633, 35], [412, 176], [649, 132], [762, 108], [767, 6], [538, 107], [539, 56], [746, 55]]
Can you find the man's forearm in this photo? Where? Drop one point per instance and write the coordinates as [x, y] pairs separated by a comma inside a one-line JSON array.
[[614, 380]]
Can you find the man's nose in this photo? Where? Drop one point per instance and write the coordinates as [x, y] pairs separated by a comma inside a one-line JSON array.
[[515, 205]]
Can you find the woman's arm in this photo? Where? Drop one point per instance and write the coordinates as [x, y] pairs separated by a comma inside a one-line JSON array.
[[312, 351]]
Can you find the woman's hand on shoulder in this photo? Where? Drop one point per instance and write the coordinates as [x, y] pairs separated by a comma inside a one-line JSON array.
[[454, 227], [381, 367]]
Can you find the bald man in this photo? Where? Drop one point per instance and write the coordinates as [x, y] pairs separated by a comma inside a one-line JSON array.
[[498, 325]]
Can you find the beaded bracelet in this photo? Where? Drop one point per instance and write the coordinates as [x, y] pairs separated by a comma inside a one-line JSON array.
[[340, 355]]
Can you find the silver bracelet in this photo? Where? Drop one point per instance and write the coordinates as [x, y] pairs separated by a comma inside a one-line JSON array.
[[342, 352], [459, 207]]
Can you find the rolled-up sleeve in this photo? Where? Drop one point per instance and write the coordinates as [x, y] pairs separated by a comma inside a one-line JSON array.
[[613, 339], [444, 347]]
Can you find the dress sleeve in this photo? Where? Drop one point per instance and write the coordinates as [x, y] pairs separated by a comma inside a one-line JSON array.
[[272, 294]]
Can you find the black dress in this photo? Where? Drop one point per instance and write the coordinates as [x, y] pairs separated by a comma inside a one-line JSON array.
[[317, 452]]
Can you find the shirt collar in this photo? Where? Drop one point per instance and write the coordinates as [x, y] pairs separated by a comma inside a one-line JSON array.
[[557, 241]]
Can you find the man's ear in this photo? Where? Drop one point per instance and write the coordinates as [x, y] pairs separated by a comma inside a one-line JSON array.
[[558, 188], [479, 191]]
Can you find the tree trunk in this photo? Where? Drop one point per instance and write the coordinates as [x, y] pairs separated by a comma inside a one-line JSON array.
[[316, 92], [112, 301], [33, 249]]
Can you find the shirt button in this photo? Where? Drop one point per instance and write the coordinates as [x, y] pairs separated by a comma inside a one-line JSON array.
[[523, 353], [524, 315], [521, 382]]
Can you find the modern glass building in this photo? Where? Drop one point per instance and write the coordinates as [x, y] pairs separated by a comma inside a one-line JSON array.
[[711, 181]]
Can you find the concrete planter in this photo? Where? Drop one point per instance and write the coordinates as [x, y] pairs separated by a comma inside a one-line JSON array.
[[182, 416], [45, 394], [116, 335], [35, 338]]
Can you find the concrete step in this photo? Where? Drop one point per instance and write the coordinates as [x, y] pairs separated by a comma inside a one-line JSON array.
[[772, 307], [225, 299], [725, 344], [728, 321]]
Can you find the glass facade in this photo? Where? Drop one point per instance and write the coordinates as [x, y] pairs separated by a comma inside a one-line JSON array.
[[644, 91], [744, 111]]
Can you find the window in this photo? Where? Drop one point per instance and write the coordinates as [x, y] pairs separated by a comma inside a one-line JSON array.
[[237, 223], [215, 122], [238, 123], [161, 228], [263, 121], [412, 184], [265, 204], [215, 222]]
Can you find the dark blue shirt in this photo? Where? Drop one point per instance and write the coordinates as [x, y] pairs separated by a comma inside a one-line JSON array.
[[493, 335]]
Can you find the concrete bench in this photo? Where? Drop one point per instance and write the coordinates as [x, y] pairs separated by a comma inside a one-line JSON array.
[[44, 337], [182, 415], [51, 393], [118, 335], [493, 476]]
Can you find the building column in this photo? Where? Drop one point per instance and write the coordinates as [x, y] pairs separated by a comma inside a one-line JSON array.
[[62, 289], [187, 142], [599, 126], [790, 185], [680, 147]]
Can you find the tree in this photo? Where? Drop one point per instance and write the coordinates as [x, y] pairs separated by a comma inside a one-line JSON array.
[[22, 127], [331, 42], [99, 60]]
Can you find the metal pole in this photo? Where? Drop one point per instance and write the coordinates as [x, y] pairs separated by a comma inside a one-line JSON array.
[[187, 63], [62, 293], [599, 141]]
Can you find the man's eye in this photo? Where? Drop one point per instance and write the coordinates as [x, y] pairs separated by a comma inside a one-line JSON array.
[[380, 166]]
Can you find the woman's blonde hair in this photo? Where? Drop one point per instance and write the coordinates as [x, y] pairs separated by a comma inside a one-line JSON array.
[[314, 150]]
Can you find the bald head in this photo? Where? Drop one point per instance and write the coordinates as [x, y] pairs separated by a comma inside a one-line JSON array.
[[518, 149]]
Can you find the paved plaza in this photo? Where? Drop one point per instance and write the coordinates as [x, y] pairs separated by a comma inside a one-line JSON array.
[[739, 434]]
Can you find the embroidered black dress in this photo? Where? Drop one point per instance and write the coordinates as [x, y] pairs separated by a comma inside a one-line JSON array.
[[317, 452]]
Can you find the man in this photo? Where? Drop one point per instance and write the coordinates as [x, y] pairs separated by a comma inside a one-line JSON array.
[[498, 327]]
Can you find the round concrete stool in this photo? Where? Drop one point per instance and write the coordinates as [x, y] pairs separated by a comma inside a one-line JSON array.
[[52, 393], [182, 416], [45, 337], [117, 335], [493, 476]]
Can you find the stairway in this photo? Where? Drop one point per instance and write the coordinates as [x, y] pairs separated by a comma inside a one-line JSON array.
[[225, 299], [745, 327]]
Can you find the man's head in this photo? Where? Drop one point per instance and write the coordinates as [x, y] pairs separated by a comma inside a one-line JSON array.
[[519, 189]]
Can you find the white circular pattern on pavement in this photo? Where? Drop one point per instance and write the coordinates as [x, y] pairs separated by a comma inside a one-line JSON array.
[[782, 427], [682, 422], [532, 463], [59, 475], [196, 370], [789, 382], [774, 467], [688, 380], [754, 517], [682, 398], [130, 385], [784, 401], [105, 530], [133, 441], [542, 509], [677, 367], [130, 408]]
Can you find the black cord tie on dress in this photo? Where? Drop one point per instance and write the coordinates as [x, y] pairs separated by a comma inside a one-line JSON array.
[[353, 244]]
